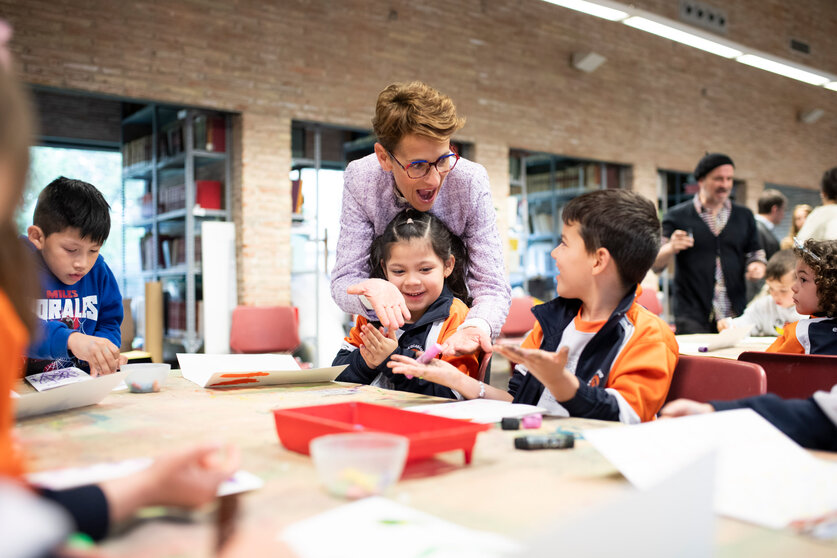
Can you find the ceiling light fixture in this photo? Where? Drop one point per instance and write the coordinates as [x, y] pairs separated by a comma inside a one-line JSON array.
[[680, 36], [782, 69], [696, 38], [598, 9]]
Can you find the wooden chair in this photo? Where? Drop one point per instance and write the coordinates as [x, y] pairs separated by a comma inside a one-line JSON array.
[[795, 376], [264, 329], [705, 379]]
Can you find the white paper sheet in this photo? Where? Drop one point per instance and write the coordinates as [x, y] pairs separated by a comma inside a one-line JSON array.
[[380, 528], [60, 479], [57, 378], [483, 411], [730, 337], [239, 370], [70, 396], [674, 518], [762, 476]]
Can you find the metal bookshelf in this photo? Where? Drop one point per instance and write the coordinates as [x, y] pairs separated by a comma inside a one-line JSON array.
[[182, 280]]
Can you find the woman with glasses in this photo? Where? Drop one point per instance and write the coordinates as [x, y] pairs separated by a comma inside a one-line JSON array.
[[415, 165]]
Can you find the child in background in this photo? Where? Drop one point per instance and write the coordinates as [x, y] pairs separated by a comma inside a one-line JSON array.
[[768, 314], [80, 308], [188, 478], [594, 352], [815, 294], [427, 264]]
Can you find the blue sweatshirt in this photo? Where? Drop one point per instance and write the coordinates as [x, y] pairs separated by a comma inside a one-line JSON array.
[[92, 306]]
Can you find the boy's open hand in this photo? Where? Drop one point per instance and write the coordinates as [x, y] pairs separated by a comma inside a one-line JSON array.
[[386, 300], [548, 367], [102, 355], [377, 345]]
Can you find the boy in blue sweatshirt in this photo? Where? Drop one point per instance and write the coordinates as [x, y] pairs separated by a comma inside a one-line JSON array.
[[81, 307]]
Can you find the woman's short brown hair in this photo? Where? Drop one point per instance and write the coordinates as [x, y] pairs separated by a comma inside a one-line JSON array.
[[414, 108]]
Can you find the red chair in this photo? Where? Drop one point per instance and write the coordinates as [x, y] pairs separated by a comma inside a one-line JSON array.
[[520, 319], [649, 300], [795, 376], [705, 379], [264, 329]]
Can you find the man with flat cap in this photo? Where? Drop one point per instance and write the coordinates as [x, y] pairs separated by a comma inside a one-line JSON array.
[[715, 245]]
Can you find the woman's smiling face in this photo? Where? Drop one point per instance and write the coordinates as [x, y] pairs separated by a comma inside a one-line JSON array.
[[420, 193]]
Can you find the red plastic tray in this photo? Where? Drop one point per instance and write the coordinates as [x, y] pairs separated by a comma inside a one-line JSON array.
[[428, 434]]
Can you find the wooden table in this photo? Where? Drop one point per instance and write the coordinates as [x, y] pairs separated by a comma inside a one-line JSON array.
[[504, 490], [748, 344]]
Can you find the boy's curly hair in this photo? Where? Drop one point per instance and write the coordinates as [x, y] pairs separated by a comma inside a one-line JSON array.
[[825, 271]]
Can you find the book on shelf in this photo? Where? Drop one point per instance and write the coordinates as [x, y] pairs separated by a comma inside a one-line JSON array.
[[136, 151], [175, 314], [208, 194], [171, 194], [147, 251], [210, 133], [296, 196], [173, 251], [170, 140]]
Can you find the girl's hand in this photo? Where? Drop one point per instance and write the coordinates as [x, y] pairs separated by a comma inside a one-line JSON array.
[[685, 407], [377, 345], [548, 367], [386, 300], [437, 371]]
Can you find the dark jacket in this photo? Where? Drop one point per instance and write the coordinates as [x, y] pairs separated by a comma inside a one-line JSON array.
[[694, 277]]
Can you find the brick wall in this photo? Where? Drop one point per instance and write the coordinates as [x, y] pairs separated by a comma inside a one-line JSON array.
[[653, 104]]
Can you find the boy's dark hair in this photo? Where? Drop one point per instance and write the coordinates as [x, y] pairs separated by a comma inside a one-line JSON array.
[[769, 199], [411, 224], [825, 271], [623, 222], [780, 264], [829, 184], [66, 202]]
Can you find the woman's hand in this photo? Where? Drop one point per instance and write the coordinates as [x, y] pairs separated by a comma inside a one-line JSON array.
[[377, 345], [386, 300], [548, 367], [466, 341]]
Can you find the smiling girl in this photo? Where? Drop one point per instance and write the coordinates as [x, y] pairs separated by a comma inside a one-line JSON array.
[[420, 257], [814, 294]]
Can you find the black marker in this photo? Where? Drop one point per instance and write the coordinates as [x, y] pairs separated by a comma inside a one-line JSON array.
[[551, 441]]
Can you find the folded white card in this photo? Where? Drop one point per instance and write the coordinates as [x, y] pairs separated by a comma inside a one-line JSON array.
[[250, 370], [70, 396]]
